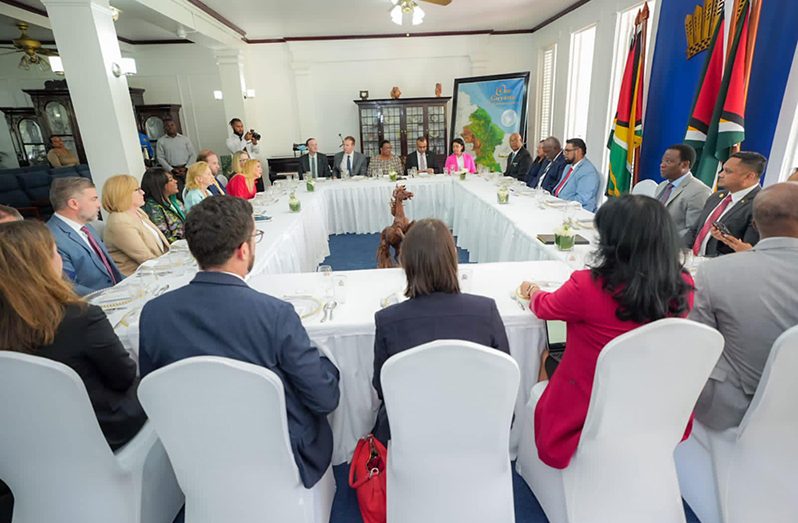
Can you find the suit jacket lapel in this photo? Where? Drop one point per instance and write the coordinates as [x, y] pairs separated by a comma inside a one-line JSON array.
[[75, 237], [741, 205], [677, 191]]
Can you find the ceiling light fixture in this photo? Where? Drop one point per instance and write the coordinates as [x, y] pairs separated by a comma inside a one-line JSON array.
[[56, 65], [125, 66], [406, 8]]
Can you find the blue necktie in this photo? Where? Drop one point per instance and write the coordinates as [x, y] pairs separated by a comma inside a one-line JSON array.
[[349, 164]]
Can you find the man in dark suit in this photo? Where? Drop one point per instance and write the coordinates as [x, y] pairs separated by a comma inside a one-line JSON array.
[[548, 175], [520, 160], [725, 224], [245, 325], [350, 160], [313, 164], [87, 263], [421, 159]]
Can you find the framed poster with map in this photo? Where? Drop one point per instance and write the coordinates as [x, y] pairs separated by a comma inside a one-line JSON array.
[[486, 110]]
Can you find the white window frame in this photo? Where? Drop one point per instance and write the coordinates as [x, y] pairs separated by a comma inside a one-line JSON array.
[[580, 74], [541, 131]]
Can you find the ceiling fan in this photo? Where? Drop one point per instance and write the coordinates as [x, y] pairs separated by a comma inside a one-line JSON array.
[[411, 8], [32, 51]]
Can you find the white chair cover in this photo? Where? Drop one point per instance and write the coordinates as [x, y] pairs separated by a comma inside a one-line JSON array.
[[56, 461], [749, 473], [646, 385], [223, 424], [450, 404], [645, 188]]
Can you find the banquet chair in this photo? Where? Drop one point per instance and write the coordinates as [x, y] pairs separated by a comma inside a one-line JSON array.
[[223, 424], [450, 404], [748, 473], [645, 188], [646, 384], [57, 462]]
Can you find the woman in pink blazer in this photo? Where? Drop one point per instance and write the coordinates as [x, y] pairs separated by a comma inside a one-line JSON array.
[[637, 278], [459, 159]]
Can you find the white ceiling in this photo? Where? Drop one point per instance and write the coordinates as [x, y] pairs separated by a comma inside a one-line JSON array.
[[278, 18], [266, 19]]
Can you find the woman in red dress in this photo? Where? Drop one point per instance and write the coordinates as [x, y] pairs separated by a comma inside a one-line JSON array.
[[637, 278], [242, 185]]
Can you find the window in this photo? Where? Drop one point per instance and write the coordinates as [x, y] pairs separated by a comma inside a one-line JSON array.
[[548, 56], [580, 69], [623, 34]]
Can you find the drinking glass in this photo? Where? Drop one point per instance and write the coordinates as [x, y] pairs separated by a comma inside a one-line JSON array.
[[327, 283]]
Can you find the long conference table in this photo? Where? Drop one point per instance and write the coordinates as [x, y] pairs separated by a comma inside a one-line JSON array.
[[501, 238]]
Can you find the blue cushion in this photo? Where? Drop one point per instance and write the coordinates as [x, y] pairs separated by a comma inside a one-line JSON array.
[[40, 195], [14, 170], [15, 198], [34, 180], [59, 171], [8, 183]]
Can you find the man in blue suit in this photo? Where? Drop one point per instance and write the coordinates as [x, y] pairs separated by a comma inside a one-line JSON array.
[[548, 174], [218, 314], [86, 260], [580, 179]]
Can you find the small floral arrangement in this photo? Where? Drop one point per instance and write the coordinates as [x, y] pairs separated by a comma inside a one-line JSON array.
[[393, 175], [310, 184], [293, 203], [564, 237]]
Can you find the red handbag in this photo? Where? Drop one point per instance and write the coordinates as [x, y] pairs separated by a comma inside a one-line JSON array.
[[367, 477]]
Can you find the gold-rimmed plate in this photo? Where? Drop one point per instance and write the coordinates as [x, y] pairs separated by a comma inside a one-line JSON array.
[[305, 305]]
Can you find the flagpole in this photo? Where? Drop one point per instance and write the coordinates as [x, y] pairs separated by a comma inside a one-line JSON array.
[[753, 26], [642, 18]]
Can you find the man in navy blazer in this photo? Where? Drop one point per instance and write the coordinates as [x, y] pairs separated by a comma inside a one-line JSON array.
[[548, 174], [218, 314], [86, 260], [580, 180]]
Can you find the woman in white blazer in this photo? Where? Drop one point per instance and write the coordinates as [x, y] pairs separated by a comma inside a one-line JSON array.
[[130, 237]]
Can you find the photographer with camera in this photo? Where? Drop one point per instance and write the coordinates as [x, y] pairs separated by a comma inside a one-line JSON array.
[[239, 140]]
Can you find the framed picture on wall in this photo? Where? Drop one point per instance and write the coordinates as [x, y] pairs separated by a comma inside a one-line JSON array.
[[486, 110]]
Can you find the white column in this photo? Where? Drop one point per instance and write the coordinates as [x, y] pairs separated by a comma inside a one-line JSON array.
[[230, 63], [306, 102], [87, 43]]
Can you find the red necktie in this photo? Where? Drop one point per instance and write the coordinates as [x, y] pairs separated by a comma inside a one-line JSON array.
[[99, 252], [562, 182], [708, 224]]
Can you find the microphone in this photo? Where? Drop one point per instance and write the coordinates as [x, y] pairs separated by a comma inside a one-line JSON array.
[[342, 141]]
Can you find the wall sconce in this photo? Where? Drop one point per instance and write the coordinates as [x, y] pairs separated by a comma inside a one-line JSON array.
[[218, 95], [126, 66], [56, 65], [249, 93]]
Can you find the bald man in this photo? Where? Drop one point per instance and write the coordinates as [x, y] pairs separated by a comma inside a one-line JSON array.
[[519, 160], [750, 298]]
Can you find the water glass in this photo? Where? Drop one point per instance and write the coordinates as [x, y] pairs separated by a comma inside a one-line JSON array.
[[339, 281], [466, 277], [327, 283]]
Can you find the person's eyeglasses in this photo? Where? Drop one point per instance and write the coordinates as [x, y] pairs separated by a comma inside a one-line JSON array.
[[258, 235]]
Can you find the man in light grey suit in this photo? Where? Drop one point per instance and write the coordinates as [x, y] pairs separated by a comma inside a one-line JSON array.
[[683, 195], [751, 298], [349, 160]]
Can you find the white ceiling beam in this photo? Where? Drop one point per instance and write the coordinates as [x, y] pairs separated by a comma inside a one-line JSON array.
[[23, 15], [200, 27]]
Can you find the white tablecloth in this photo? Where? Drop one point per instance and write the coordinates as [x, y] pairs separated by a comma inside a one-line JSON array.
[[294, 243]]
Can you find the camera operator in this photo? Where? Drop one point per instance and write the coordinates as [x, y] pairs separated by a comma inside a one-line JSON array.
[[239, 140]]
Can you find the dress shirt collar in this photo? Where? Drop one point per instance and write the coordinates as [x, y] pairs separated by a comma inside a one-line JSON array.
[[678, 181], [72, 224], [776, 242], [742, 193]]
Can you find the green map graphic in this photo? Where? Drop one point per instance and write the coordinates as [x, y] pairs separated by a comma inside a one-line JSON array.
[[485, 136]]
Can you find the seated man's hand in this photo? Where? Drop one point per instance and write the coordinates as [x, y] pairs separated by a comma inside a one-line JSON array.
[[736, 244]]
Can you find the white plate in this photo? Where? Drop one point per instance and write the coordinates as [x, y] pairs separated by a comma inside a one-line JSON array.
[[555, 203], [357, 177], [305, 305], [109, 301]]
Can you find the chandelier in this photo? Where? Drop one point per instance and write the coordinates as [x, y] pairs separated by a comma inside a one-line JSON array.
[[406, 7]]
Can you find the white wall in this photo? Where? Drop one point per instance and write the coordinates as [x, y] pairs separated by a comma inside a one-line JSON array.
[[307, 88], [601, 108]]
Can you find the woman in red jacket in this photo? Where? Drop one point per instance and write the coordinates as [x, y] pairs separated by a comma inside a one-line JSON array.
[[637, 278], [242, 185]]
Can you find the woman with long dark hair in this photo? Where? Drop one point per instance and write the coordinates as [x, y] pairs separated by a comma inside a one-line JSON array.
[[161, 203], [637, 278], [435, 310], [41, 315]]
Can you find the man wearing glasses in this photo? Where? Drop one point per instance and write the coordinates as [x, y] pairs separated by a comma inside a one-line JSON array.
[[218, 314]]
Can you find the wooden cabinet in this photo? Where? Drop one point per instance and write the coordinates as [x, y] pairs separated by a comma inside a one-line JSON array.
[[401, 122], [150, 119], [55, 116], [26, 135]]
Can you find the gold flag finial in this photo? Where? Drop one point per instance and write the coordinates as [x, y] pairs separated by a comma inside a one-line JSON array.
[[700, 26]]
